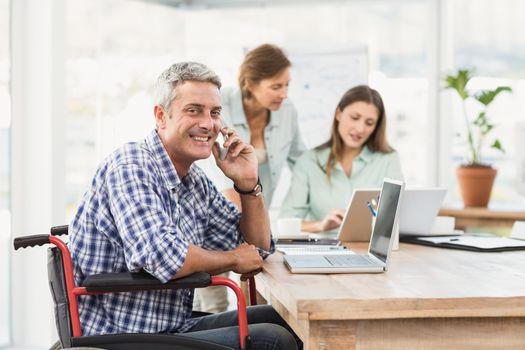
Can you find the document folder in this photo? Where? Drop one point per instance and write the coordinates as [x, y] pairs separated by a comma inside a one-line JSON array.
[[474, 243]]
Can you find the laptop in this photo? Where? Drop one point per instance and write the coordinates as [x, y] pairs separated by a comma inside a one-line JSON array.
[[356, 225], [357, 222], [419, 209], [379, 248]]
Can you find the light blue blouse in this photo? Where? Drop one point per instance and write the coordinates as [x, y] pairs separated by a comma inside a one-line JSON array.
[[281, 137], [312, 197]]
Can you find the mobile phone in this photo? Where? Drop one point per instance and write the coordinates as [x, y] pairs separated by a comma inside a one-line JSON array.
[[223, 151]]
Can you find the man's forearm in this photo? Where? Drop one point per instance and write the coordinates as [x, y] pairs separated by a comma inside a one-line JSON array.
[[202, 260], [255, 223]]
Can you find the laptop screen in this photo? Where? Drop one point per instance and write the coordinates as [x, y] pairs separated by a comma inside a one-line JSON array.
[[386, 214]]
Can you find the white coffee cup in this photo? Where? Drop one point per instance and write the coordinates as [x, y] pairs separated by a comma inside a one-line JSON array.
[[288, 227]]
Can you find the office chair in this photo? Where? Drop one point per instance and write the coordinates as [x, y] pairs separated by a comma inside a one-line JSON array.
[[65, 294]]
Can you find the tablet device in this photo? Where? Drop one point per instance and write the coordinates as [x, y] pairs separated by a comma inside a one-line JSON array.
[[357, 222]]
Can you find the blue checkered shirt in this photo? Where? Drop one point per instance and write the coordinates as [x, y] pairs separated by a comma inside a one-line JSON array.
[[139, 215]]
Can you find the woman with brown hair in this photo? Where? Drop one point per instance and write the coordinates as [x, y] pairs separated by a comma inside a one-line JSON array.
[[263, 116], [356, 155]]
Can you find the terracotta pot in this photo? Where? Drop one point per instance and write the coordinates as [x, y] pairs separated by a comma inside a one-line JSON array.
[[475, 184]]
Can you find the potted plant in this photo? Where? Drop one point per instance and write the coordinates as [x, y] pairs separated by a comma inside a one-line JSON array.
[[475, 178]]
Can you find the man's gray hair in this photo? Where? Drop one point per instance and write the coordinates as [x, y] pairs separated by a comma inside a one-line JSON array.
[[181, 72]]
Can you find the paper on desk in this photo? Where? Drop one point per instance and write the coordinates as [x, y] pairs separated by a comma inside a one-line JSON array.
[[482, 242]]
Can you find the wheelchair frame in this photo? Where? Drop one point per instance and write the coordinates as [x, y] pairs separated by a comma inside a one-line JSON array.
[[127, 282]]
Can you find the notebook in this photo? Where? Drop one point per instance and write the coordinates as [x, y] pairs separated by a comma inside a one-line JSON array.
[[419, 209], [486, 243], [356, 225], [379, 248]]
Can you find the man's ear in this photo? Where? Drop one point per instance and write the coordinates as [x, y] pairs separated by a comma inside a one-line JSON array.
[[160, 117]]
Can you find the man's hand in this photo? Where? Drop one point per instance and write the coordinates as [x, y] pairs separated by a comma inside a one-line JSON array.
[[247, 259], [332, 220], [240, 163]]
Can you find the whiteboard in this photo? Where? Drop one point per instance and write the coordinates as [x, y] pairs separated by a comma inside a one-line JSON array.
[[318, 81]]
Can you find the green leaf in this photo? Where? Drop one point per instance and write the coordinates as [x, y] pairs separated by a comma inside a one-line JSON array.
[[459, 82], [481, 119], [487, 96], [497, 145], [485, 129]]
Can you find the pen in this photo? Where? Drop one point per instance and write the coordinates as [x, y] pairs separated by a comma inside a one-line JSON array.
[[369, 205], [454, 239]]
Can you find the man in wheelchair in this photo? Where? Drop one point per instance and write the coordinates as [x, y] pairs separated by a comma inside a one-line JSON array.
[[150, 208]]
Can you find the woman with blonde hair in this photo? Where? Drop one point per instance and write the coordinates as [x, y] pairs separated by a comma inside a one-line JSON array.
[[263, 116], [356, 155]]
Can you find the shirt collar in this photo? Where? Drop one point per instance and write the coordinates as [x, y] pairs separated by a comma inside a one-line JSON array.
[[166, 167], [237, 113], [365, 156]]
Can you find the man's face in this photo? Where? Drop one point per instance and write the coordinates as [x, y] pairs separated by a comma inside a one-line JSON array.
[[189, 129]]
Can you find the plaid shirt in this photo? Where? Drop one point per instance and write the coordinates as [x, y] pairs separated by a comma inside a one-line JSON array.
[[138, 214]]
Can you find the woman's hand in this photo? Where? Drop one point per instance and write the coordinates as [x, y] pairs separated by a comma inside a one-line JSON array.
[[332, 220]]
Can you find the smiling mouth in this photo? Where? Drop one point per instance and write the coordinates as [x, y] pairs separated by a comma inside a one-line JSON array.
[[201, 138]]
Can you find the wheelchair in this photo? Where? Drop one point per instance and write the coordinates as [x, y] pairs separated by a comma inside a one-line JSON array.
[[65, 294]]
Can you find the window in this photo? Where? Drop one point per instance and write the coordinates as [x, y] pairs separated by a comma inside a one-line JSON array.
[[490, 38], [110, 73], [5, 213]]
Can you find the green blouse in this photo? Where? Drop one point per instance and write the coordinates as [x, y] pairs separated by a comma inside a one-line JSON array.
[[312, 196]]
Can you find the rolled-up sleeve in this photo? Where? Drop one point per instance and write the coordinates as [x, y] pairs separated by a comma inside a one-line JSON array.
[[151, 240]]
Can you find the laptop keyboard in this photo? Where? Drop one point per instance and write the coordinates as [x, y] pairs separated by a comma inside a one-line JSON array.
[[350, 260]]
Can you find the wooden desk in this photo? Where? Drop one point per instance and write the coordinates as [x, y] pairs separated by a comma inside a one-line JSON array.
[[429, 299], [482, 217]]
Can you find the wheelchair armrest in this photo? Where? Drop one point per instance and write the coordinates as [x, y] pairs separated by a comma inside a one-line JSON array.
[[133, 281]]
